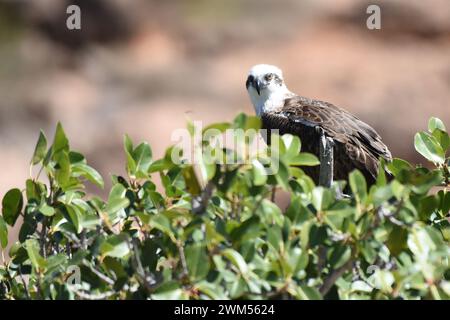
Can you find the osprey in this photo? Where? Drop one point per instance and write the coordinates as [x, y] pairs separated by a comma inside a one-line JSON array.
[[356, 145]]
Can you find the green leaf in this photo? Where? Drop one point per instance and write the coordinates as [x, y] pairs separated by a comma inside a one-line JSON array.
[[40, 149], [131, 163], [245, 122], [160, 165], [32, 247], [46, 210], [12, 206], [358, 186], [211, 290], [445, 201], [60, 142], [305, 234], [321, 198], [89, 173], [397, 240], [422, 242], [304, 159], [216, 127], [192, 184], [259, 173], [149, 254], [339, 255], [128, 144], [292, 144], [381, 175], [381, 194], [62, 173], [3, 233], [76, 157], [239, 121], [336, 216], [117, 199], [206, 165], [162, 223], [429, 147], [397, 165], [169, 291], [282, 175], [142, 157], [298, 259], [56, 262], [191, 127], [272, 213], [383, 280], [435, 123], [27, 228], [236, 259], [117, 204], [360, 285], [442, 138], [197, 261], [248, 230], [275, 238], [308, 293], [115, 246], [35, 189], [75, 217], [253, 123]]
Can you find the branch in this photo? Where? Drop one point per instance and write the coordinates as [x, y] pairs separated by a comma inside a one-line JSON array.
[[143, 277], [99, 274], [24, 284], [88, 296], [334, 276], [200, 203], [42, 239], [183, 260], [326, 160]]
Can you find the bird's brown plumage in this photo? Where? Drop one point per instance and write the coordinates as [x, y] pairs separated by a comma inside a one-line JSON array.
[[356, 144]]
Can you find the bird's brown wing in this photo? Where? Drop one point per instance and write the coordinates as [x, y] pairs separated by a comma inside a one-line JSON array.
[[359, 145]]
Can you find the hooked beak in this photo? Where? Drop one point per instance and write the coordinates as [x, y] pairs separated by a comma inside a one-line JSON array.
[[251, 81]]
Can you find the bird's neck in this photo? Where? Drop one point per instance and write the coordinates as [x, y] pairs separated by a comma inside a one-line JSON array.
[[270, 101]]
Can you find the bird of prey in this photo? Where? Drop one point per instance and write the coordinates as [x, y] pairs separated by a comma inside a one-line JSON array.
[[356, 145]]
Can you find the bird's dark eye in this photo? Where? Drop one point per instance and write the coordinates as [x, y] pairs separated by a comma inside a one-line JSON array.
[[268, 76]]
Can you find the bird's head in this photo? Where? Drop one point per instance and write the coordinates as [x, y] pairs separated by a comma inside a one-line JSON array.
[[264, 83]]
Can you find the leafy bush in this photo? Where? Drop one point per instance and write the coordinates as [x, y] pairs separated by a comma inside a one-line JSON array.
[[213, 232]]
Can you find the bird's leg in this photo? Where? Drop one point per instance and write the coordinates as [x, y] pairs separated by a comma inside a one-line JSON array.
[[326, 159]]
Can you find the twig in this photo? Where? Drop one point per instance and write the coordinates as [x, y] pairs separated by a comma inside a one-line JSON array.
[[24, 284], [88, 296], [200, 203], [102, 276], [39, 287], [43, 238], [183, 259], [334, 276], [258, 204], [143, 276], [322, 255], [3, 257], [274, 191]]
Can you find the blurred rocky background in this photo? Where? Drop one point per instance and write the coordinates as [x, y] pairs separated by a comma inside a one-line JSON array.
[[140, 67]]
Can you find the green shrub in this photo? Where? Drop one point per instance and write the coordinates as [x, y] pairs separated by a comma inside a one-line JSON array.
[[213, 232]]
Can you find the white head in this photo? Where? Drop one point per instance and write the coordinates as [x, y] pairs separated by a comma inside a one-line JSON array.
[[266, 88]]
